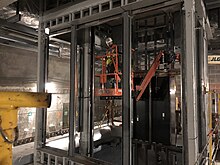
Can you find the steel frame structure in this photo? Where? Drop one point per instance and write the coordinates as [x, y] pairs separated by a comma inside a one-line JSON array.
[[58, 21], [194, 11], [127, 108], [116, 91], [90, 13]]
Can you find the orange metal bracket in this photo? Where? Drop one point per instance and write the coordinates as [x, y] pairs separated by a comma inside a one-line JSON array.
[[116, 91], [149, 75]]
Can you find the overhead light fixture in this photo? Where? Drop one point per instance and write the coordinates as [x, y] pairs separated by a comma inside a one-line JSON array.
[[47, 31], [50, 87]]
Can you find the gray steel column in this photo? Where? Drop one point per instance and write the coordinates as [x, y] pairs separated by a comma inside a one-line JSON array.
[[73, 99], [85, 132], [127, 107], [92, 89], [40, 119], [202, 98], [189, 100], [206, 78]]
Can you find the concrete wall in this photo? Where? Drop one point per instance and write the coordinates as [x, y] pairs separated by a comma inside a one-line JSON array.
[[17, 65], [21, 65], [18, 72], [214, 77], [59, 70]]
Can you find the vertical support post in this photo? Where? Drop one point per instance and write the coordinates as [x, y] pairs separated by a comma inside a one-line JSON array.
[[73, 100], [206, 78], [219, 105], [125, 2], [17, 7], [92, 89], [85, 134], [210, 128], [216, 103], [189, 82], [41, 80], [218, 17], [202, 138], [41, 113], [122, 2], [127, 107]]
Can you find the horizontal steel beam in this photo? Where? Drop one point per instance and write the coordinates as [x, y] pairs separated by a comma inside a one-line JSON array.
[[15, 37], [5, 3], [17, 27], [94, 10], [71, 9], [213, 5], [6, 42]]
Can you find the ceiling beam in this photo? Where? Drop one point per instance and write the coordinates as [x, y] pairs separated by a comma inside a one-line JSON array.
[[5, 3], [17, 27], [16, 37], [213, 4]]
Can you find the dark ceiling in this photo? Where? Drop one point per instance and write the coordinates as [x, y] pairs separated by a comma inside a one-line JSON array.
[[54, 4], [32, 6]]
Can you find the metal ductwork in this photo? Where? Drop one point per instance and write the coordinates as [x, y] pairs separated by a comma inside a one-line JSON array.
[[5, 3]]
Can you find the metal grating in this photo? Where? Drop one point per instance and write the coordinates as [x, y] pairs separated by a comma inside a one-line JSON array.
[[53, 156], [50, 159]]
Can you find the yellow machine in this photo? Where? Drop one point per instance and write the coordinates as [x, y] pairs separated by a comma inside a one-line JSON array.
[[9, 104]]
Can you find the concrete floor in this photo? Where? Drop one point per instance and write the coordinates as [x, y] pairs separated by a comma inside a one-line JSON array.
[[23, 154], [110, 152]]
